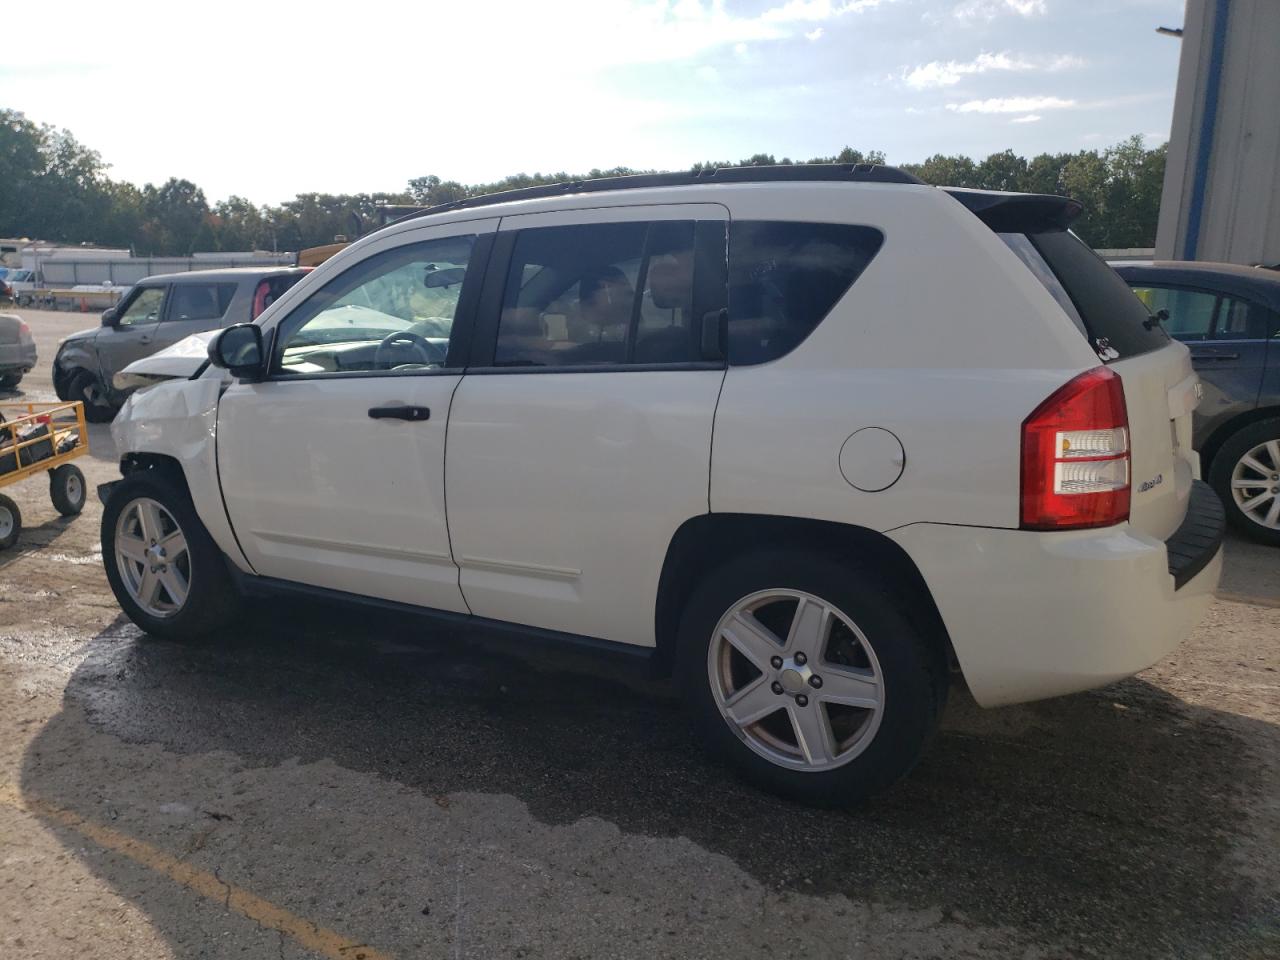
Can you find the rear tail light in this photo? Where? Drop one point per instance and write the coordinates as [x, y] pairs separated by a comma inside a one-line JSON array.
[[1075, 456], [261, 299]]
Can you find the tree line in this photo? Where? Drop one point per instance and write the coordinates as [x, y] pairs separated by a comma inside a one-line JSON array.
[[54, 188]]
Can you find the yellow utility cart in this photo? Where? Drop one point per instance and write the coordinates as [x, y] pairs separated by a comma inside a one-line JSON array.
[[35, 437]]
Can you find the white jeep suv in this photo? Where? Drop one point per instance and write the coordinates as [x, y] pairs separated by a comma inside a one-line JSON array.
[[808, 437]]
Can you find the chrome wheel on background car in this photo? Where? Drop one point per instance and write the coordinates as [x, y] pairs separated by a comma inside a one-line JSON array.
[[796, 680], [1255, 484], [152, 557]]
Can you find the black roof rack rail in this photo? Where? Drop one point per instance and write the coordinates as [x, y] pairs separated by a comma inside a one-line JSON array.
[[804, 172]]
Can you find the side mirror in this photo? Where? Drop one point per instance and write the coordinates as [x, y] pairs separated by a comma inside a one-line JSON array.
[[238, 350], [109, 317], [715, 335]]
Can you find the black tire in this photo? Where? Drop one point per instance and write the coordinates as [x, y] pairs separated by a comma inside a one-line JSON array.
[[10, 381], [67, 489], [10, 522], [212, 600], [1229, 455], [913, 673], [86, 387]]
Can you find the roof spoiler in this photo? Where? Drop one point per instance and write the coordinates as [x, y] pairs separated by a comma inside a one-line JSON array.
[[1018, 212]]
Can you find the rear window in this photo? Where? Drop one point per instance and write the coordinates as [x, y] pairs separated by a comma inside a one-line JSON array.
[[784, 278], [270, 290], [1095, 297]]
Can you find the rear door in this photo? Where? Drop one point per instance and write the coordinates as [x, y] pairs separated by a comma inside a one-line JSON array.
[[582, 439]]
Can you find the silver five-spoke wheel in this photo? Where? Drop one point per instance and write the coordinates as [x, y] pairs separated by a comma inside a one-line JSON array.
[[796, 679], [1255, 484], [152, 557]]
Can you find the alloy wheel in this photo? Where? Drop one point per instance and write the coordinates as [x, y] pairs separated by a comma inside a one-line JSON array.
[[796, 680], [1255, 484], [152, 557]]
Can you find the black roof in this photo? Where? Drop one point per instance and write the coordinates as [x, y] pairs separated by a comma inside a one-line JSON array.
[[1254, 283], [1025, 212], [800, 172]]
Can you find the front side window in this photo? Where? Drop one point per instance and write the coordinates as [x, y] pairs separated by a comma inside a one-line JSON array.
[[144, 308], [200, 301], [391, 312], [609, 293], [784, 278]]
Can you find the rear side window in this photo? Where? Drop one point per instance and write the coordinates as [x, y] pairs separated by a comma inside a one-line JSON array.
[[784, 278], [200, 301], [605, 293], [1094, 296]]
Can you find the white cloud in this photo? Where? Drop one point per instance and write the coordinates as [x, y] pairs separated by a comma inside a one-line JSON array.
[[814, 35], [1029, 118], [815, 10], [1011, 105], [990, 9], [947, 73]]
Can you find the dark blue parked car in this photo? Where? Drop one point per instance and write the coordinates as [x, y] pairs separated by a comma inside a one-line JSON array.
[[1230, 318]]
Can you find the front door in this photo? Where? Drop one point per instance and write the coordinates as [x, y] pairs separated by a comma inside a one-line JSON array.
[[332, 468], [582, 439], [131, 337]]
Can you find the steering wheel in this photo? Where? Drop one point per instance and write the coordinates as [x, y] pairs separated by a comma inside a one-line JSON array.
[[432, 354]]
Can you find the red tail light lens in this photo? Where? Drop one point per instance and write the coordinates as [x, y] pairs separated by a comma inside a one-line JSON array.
[[1075, 456]]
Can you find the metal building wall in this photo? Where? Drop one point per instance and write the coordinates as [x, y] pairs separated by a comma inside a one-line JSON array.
[[1221, 198]]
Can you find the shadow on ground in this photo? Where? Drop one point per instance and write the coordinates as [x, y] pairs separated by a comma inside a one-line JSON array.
[[1102, 822]]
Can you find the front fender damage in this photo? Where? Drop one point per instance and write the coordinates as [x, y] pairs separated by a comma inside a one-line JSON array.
[[178, 419]]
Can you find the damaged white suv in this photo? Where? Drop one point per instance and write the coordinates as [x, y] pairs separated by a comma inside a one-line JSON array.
[[809, 437]]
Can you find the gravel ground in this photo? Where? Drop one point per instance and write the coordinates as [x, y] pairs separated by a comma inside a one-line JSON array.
[[368, 785]]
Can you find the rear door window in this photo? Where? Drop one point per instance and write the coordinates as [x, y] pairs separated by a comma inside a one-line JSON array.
[[1098, 301], [604, 293], [784, 278], [200, 301]]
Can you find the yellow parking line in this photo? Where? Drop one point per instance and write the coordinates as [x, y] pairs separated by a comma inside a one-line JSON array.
[[313, 937]]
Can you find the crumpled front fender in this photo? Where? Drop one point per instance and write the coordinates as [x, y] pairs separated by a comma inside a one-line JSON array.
[[179, 419]]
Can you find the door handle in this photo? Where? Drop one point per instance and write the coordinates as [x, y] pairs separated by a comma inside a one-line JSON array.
[[400, 411], [1215, 355]]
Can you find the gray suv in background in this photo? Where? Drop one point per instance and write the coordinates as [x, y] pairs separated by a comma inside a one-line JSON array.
[[157, 313]]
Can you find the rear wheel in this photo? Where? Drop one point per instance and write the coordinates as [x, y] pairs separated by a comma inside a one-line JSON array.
[[86, 387], [10, 522], [1246, 474], [165, 570], [805, 675], [67, 489], [10, 381]]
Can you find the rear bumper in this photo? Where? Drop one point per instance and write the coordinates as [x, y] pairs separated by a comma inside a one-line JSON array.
[[17, 356], [1034, 615]]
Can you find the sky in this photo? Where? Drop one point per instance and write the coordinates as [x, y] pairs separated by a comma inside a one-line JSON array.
[[265, 100]]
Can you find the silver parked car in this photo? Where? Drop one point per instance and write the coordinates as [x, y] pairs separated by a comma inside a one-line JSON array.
[[17, 350], [158, 312]]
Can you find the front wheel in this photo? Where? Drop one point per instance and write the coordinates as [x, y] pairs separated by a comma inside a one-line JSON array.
[[805, 675], [165, 570], [85, 387], [1246, 474]]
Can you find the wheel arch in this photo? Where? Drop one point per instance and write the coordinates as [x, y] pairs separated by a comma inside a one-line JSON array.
[[1224, 431], [704, 541]]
